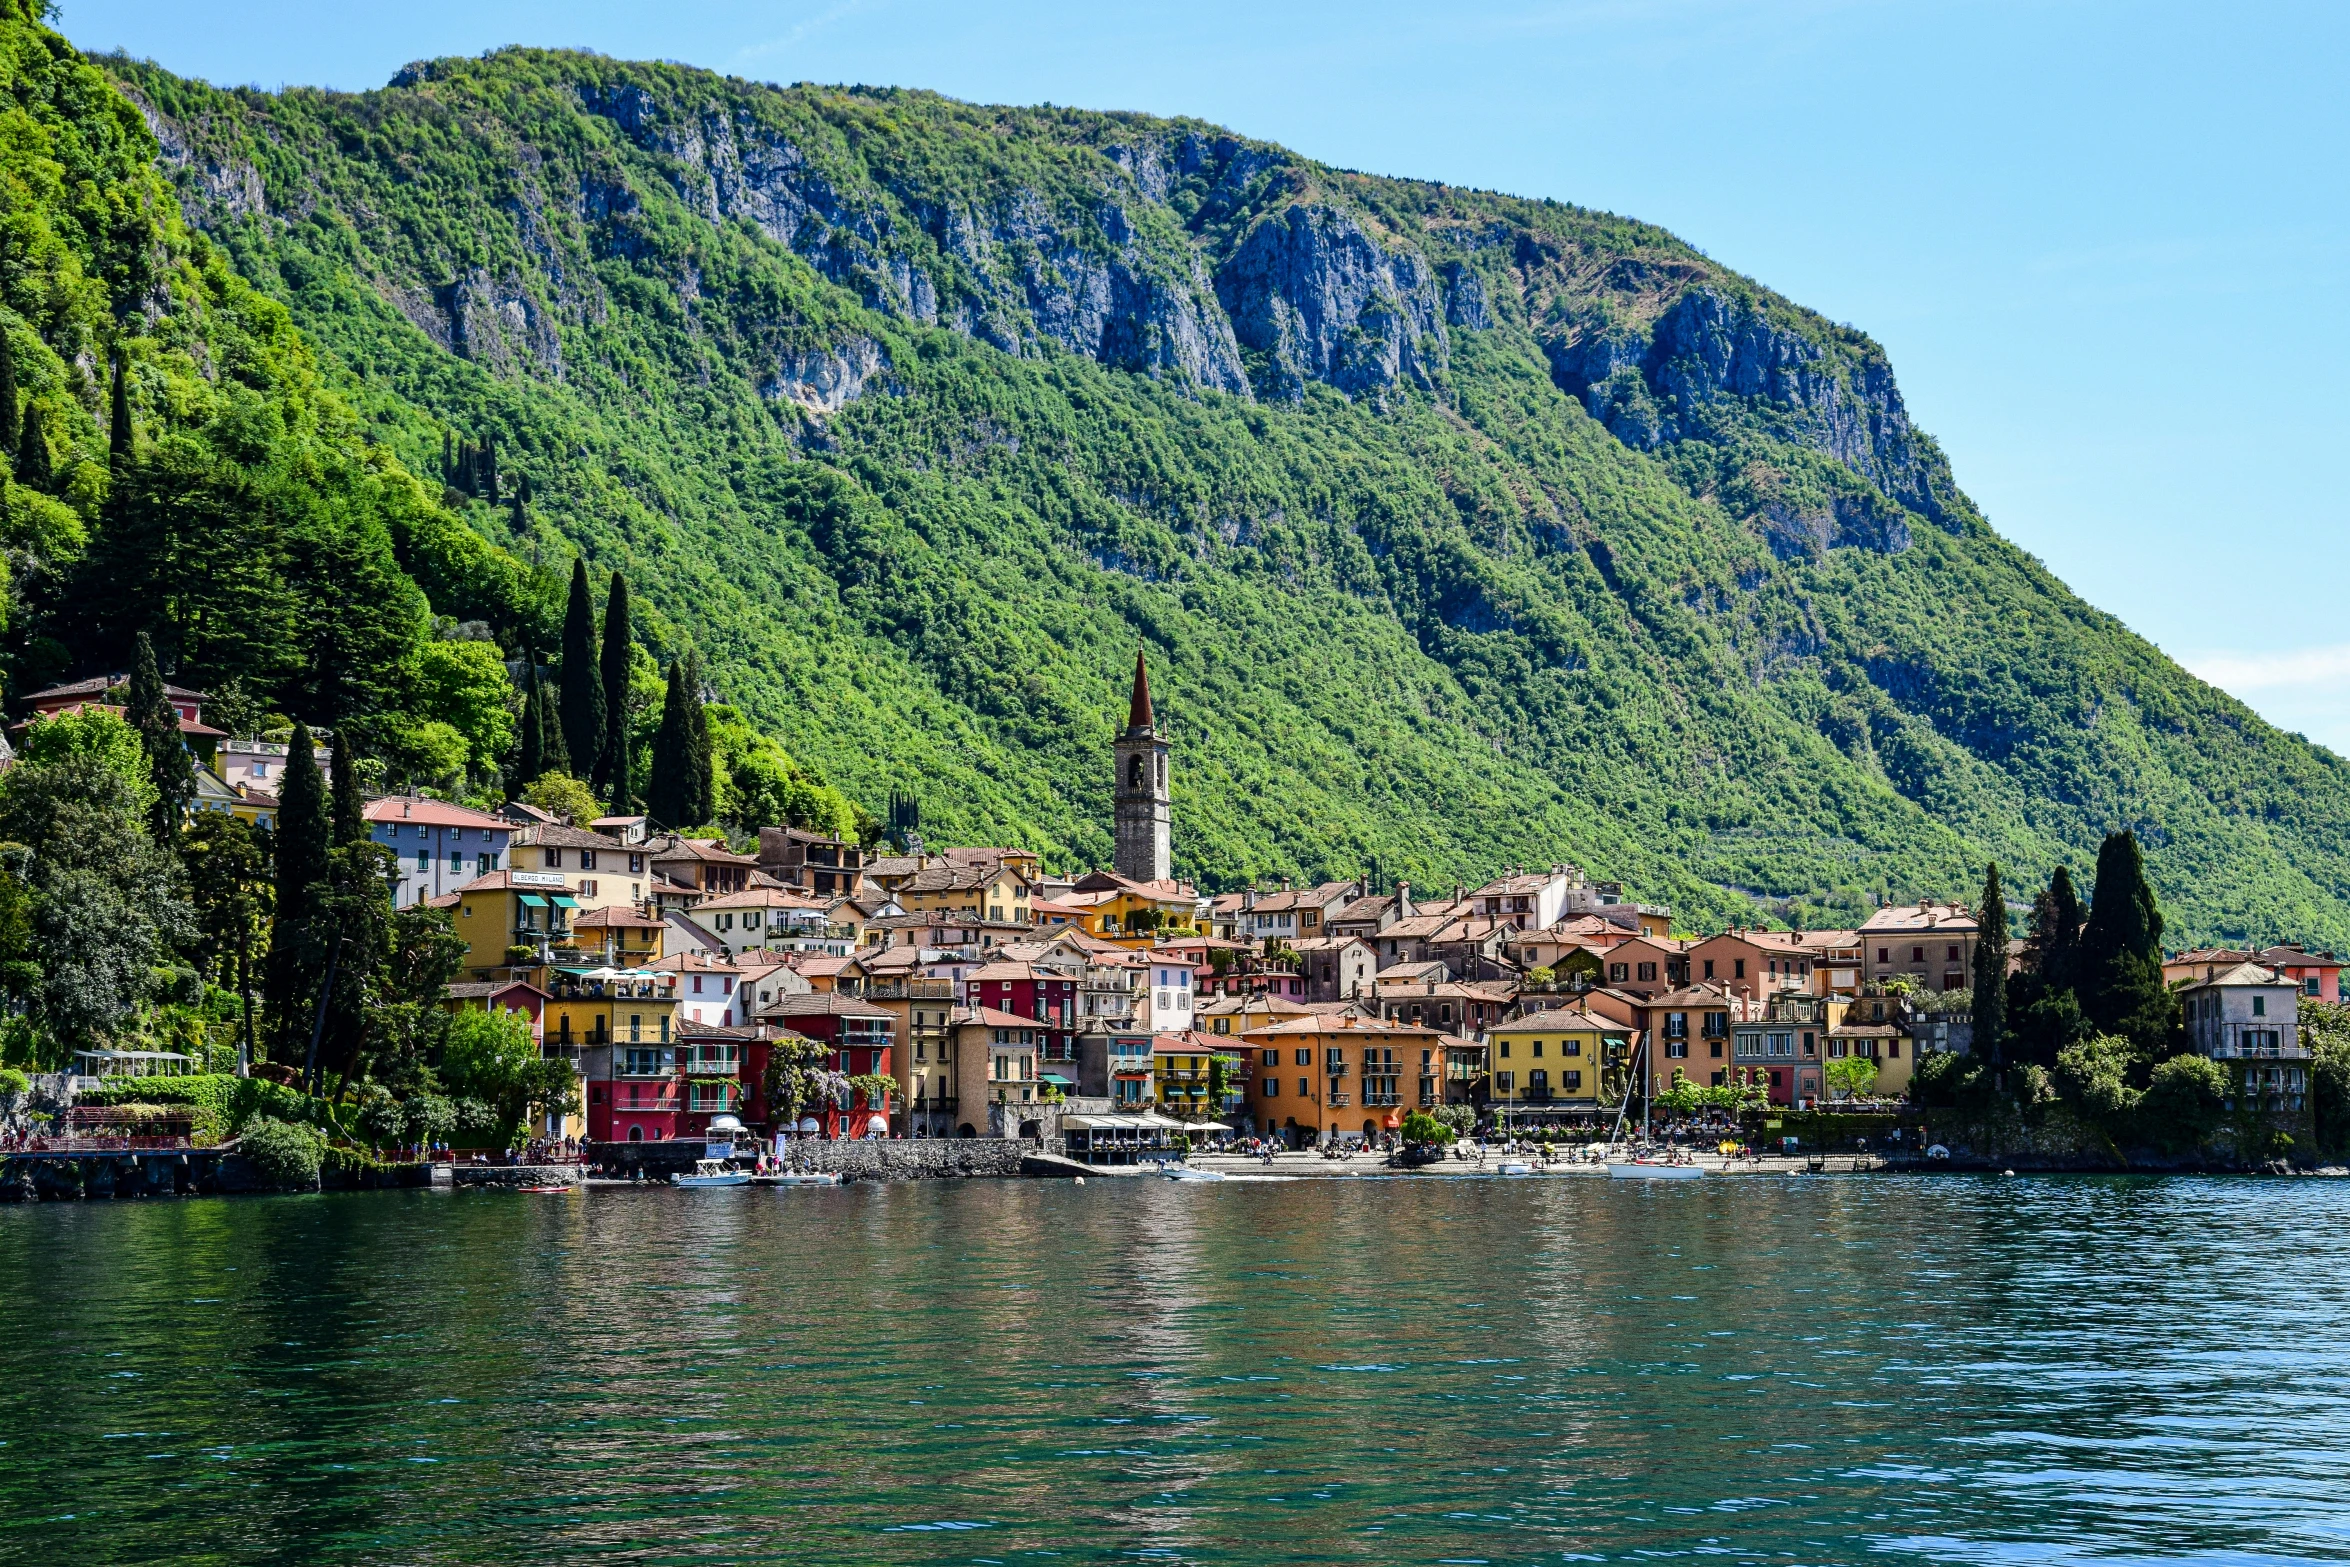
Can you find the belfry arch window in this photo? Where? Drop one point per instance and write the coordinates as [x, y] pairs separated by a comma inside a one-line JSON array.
[[1134, 771], [1162, 772]]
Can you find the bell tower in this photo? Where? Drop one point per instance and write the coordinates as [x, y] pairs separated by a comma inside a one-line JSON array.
[[1146, 817]]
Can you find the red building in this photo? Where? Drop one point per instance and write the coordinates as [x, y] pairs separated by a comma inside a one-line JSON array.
[[1026, 991], [858, 1035]]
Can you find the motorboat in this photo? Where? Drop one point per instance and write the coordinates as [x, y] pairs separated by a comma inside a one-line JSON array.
[[713, 1172], [1652, 1170], [1184, 1172], [798, 1178], [1514, 1167]]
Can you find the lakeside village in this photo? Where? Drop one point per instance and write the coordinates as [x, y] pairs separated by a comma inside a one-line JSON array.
[[677, 995]]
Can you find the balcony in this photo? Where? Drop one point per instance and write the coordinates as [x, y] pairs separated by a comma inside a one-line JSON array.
[[1381, 1099], [1336, 1101], [712, 1061]]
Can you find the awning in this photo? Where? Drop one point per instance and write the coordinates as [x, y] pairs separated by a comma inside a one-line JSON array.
[[562, 902], [1207, 1126], [1058, 1081], [531, 900]]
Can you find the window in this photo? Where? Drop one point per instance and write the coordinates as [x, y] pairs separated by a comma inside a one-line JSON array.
[[1305, 1058], [1952, 955], [483, 864], [1272, 1058], [2260, 1006], [1648, 971], [1709, 968], [1738, 969], [1676, 1049], [1506, 1081], [1892, 1049], [1884, 956], [1272, 1088], [1538, 1050], [1717, 1055], [1505, 1050], [554, 859], [424, 859], [1623, 971], [2309, 986], [636, 1026], [1537, 1082], [1917, 954], [587, 859], [1573, 1080], [1302, 1089]]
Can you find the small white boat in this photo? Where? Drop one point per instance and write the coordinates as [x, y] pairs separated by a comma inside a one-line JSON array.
[[1184, 1172], [798, 1178], [713, 1172], [1641, 1170], [1514, 1167]]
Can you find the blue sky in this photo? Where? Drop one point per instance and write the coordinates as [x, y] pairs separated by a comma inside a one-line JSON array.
[[2106, 245]]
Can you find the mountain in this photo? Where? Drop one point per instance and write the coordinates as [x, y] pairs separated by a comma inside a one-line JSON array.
[[1461, 530]]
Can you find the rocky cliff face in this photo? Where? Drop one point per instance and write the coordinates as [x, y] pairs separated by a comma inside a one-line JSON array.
[[1161, 249], [1679, 379], [1316, 296]]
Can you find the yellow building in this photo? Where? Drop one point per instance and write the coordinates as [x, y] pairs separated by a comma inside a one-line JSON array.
[[585, 1013], [1183, 1071], [1558, 1060], [1133, 914], [515, 923], [1341, 1077], [619, 937]]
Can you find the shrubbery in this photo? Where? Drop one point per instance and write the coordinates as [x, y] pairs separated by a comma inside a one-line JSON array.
[[286, 1154]]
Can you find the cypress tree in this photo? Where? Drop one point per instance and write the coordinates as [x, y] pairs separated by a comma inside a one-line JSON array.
[[1991, 972], [118, 424], [8, 394], [701, 767], [2056, 932], [350, 807], [2120, 970], [448, 459], [518, 519], [583, 687], [612, 779], [665, 785], [489, 469], [534, 727], [32, 451], [301, 847], [170, 767], [551, 746]]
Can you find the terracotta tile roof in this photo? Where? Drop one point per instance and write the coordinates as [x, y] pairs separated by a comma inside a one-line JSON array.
[[432, 813], [823, 1004], [990, 1017], [1343, 1022], [1570, 1019], [554, 835], [616, 916]]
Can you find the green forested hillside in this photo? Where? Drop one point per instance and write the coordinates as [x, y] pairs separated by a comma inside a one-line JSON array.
[[1462, 530]]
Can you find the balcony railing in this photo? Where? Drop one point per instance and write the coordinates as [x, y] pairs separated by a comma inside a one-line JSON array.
[[707, 1061], [1337, 1101]]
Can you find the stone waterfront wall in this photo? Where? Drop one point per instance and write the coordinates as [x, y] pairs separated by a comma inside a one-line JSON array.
[[912, 1159], [512, 1175]]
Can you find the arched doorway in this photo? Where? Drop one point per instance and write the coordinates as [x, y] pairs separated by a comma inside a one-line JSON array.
[[965, 1130], [1032, 1129], [636, 1134]]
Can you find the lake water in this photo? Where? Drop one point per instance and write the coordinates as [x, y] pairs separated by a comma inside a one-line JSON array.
[[1420, 1370]]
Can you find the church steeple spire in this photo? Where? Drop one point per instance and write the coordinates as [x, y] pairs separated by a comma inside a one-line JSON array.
[[1146, 816], [1138, 709]]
